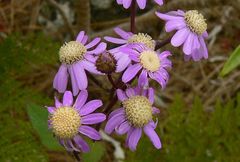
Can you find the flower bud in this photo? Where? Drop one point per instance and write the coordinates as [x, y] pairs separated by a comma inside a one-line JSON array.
[[106, 63]]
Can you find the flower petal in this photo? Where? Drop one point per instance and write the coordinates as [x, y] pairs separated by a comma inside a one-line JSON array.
[[99, 49], [81, 99], [61, 79], [149, 131], [93, 43], [115, 40], [179, 37], [113, 122], [93, 118], [67, 98], [123, 128], [90, 107], [142, 3], [127, 3], [82, 144], [75, 88], [131, 72], [80, 76], [90, 132], [122, 33], [80, 36], [134, 138], [121, 95]]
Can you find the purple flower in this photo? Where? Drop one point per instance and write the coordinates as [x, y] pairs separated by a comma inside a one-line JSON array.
[[128, 38], [68, 121], [191, 32], [147, 63], [76, 57], [141, 3], [134, 116]]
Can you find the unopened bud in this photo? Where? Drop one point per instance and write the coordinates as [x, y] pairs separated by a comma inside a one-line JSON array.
[[106, 63]]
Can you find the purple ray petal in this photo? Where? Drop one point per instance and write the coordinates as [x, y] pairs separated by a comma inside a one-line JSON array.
[[81, 99], [75, 88], [80, 36], [90, 107], [149, 131], [99, 49], [204, 47], [122, 63], [120, 1], [151, 95], [93, 43], [115, 112], [131, 72], [179, 37], [84, 40], [167, 17], [187, 46], [155, 110], [89, 66], [122, 33], [134, 138], [81, 144], [61, 79], [50, 109], [93, 118], [121, 95], [113, 122], [174, 25], [115, 40], [57, 103], [90, 132], [142, 3], [80, 76], [67, 98], [123, 128], [143, 80], [127, 3], [159, 2], [130, 92]]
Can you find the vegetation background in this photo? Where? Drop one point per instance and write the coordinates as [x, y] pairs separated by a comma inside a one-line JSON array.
[[200, 110]]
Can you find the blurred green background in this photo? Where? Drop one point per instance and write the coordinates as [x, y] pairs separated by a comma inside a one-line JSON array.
[[200, 110]]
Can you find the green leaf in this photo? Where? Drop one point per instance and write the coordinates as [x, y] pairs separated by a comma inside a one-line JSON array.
[[96, 153], [39, 117], [232, 62]]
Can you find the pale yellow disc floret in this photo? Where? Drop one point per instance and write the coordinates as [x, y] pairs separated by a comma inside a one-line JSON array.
[[144, 39], [195, 21], [138, 110], [150, 60], [65, 122], [71, 52]]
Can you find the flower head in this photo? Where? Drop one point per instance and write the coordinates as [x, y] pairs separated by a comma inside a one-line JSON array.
[[68, 121], [191, 31], [147, 63], [135, 115], [76, 57], [141, 3]]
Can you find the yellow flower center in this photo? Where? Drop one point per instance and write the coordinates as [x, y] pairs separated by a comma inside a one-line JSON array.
[[65, 122], [71, 52], [195, 21], [144, 39], [138, 110], [150, 60]]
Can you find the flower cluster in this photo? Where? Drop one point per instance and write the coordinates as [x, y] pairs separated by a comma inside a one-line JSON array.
[[136, 56]]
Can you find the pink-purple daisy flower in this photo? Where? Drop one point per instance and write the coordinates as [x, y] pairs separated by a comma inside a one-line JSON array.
[[141, 3], [76, 57], [147, 63], [135, 116], [191, 32], [69, 121]]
